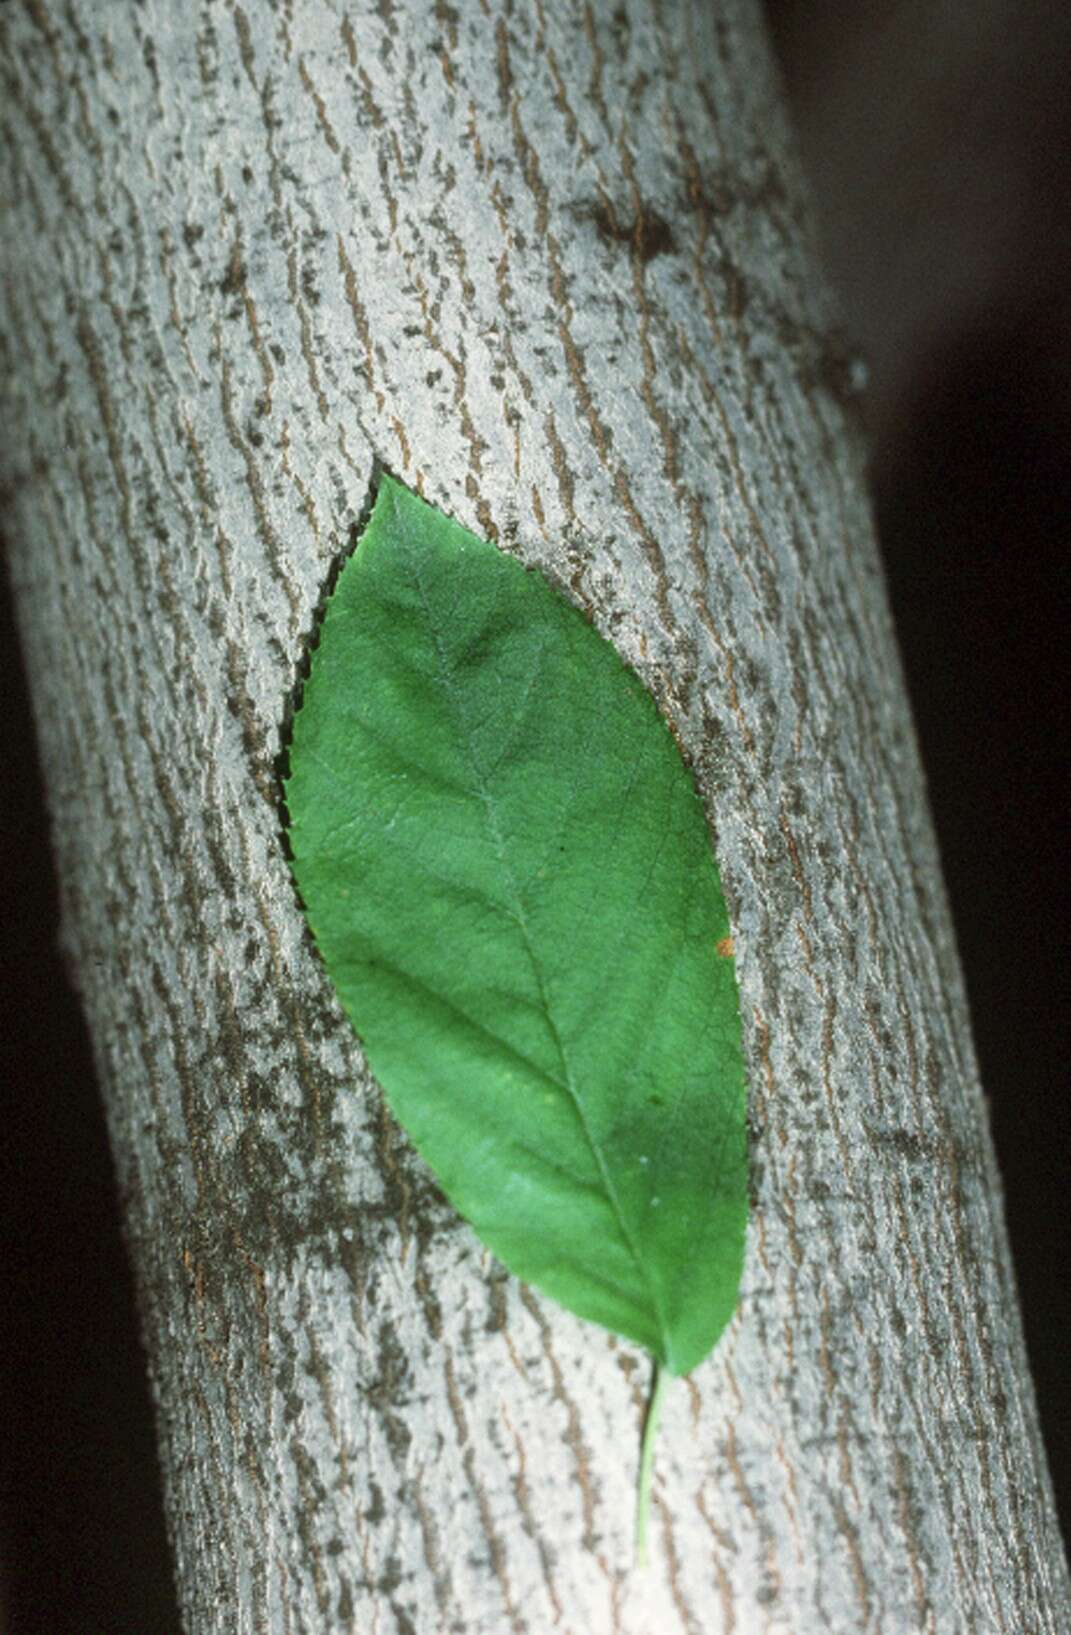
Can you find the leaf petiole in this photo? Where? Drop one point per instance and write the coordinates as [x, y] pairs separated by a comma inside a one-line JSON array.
[[643, 1486]]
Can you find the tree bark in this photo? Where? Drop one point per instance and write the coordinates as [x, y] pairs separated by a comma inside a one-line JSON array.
[[552, 265]]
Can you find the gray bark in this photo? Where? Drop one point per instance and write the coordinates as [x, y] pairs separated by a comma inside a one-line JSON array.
[[552, 265]]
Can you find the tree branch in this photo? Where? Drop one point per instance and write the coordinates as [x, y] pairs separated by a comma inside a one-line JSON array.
[[552, 265]]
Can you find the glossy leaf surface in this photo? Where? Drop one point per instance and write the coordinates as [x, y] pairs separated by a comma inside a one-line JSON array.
[[509, 876]]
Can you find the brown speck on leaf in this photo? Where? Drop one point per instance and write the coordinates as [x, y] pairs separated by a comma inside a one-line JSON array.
[[726, 948]]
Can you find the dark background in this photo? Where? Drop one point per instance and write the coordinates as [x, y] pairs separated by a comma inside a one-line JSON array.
[[939, 151]]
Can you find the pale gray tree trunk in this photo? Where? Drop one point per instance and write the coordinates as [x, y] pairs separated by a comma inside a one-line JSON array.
[[551, 264]]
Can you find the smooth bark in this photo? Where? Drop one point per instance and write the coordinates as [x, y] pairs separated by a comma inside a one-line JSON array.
[[550, 264]]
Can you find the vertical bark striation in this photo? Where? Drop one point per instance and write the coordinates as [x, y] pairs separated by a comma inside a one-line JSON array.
[[550, 264]]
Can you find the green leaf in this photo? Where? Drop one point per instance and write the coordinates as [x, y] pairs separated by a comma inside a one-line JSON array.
[[509, 875]]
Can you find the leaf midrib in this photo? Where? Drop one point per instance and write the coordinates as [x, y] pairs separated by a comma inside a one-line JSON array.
[[519, 915]]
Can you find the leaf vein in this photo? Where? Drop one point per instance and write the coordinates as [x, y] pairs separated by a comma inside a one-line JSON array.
[[536, 966]]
